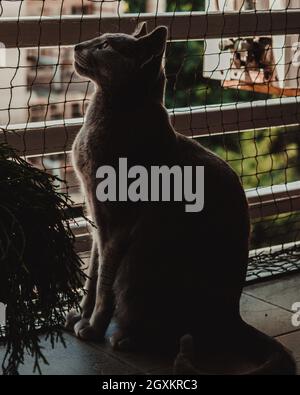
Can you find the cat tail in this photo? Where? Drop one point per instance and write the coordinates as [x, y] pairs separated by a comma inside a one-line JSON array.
[[184, 362], [277, 360], [272, 357]]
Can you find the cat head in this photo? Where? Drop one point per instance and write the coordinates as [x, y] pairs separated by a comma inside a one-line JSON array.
[[116, 61]]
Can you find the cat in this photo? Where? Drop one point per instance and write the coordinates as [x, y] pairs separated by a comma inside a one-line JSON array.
[[164, 275]]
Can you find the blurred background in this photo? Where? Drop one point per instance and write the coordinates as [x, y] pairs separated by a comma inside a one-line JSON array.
[[39, 84]]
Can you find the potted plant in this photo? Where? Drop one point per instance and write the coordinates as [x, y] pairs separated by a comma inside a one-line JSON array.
[[40, 272]]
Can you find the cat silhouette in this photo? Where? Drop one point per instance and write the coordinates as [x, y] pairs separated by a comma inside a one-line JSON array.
[[166, 276]]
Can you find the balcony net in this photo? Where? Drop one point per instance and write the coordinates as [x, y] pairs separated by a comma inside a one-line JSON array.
[[230, 81]]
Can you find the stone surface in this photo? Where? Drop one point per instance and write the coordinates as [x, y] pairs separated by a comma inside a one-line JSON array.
[[78, 358], [281, 292], [292, 342], [266, 317], [265, 306], [146, 363]]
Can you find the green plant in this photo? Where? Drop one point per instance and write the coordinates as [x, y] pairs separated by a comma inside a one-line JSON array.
[[40, 272]]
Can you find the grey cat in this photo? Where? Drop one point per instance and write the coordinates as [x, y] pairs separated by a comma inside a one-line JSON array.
[[161, 273]]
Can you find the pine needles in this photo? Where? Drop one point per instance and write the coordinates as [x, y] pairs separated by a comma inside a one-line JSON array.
[[40, 273]]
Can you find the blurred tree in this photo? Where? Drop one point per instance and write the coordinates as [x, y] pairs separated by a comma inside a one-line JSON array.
[[136, 5]]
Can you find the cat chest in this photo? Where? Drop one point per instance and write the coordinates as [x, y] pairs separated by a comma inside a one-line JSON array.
[[87, 150], [80, 153]]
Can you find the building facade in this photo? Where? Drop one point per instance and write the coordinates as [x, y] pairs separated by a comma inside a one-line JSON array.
[[39, 84]]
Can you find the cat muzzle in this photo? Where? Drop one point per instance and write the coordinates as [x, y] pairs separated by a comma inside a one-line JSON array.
[[80, 61]]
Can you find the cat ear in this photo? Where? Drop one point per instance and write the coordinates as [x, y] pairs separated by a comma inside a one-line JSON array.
[[153, 44], [141, 30]]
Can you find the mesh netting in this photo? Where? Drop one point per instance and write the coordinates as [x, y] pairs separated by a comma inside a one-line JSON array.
[[236, 94]]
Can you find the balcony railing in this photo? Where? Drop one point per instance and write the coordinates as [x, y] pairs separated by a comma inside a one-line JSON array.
[[43, 138], [67, 30]]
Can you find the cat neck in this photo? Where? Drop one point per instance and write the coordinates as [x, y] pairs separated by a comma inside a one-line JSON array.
[[134, 122], [106, 105], [133, 96]]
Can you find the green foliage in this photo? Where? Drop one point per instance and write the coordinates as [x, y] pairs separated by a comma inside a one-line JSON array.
[[252, 157], [276, 230], [185, 5], [136, 6], [172, 5], [40, 272], [264, 158], [186, 86]]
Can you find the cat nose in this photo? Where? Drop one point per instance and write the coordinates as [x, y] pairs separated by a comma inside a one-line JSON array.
[[78, 47]]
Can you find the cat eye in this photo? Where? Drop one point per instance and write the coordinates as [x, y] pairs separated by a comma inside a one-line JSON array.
[[103, 45]]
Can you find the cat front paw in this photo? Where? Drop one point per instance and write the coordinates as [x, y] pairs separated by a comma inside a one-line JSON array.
[[84, 331], [71, 319], [121, 342], [93, 329]]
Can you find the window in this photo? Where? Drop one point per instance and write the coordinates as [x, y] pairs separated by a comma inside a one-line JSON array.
[[55, 113], [76, 110], [79, 10]]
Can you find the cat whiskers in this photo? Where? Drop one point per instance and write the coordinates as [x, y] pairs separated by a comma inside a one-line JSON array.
[[81, 61]]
